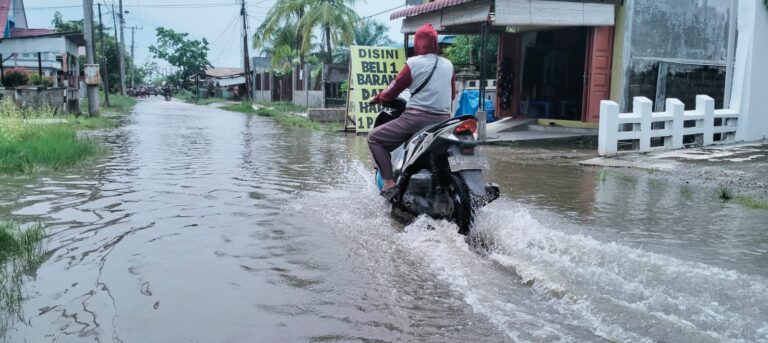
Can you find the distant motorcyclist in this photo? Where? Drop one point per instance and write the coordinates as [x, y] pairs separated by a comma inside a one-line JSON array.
[[431, 80], [167, 92]]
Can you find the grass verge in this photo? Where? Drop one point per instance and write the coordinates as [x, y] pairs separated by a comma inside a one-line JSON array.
[[282, 112], [21, 251], [118, 104], [33, 147], [190, 97], [33, 139]]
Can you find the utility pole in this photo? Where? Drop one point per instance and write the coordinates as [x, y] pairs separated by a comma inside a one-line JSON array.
[[117, 42], [105, 70], [122, 50], [133, 61], [93, 90], [246, 64]]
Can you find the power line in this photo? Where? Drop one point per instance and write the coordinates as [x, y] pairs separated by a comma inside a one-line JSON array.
[[156, 6], [379, 13]]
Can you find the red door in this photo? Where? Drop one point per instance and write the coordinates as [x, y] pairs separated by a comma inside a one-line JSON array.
[[597, 75]]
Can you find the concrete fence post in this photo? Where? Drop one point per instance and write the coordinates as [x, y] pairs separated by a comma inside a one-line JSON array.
[[676, 109], [705, 106], [608, 130], [641, 107]]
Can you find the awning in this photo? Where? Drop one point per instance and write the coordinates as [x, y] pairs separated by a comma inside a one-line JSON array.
[[231, 81], [426, 8], [463, 16]]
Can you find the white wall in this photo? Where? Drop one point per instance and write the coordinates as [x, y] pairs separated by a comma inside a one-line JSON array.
[[750, 82]]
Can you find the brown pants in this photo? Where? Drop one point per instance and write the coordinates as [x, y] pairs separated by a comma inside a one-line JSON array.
[[386, 138]]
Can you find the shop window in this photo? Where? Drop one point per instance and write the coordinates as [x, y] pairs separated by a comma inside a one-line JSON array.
[[643, 79], [684, 82], [660, 81]]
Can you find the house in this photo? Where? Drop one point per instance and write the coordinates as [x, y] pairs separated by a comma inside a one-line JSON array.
[[307, 87], [47, 53], [557, 60], [226, 83], [20, 49]]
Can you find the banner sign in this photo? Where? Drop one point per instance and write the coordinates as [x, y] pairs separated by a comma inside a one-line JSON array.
[[372, 69]]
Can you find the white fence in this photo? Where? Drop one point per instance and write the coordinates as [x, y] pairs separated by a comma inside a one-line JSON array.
[[644, 131]]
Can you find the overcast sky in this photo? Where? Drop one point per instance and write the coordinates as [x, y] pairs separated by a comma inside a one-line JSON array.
[[216, 20]]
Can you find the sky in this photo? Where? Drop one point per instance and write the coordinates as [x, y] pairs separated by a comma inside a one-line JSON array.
[[217, 20]]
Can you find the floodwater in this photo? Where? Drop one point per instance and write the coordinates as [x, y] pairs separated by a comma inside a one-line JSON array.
[[201, 225]]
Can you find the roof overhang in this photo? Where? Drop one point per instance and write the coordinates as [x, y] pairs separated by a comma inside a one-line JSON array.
[[466, 16], [56, 42]]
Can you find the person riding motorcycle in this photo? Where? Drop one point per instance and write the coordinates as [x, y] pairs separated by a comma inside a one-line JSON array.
[[431, 81]]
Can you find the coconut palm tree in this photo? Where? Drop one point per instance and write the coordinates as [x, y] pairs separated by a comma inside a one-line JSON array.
[[372, 33], [334, 18], [367, 33], [280, 27]]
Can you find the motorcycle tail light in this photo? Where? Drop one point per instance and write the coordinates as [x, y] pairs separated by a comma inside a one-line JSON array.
[[467, 127]]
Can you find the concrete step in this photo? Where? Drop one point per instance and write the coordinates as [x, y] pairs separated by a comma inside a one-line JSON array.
[[509, 125], [565, 130]]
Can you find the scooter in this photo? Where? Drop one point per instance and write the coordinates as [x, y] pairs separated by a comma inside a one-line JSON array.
[[438, 171]]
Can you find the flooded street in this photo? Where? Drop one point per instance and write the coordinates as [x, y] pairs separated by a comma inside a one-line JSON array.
[[202, 225]]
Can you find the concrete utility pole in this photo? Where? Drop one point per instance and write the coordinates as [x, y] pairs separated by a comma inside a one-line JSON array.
[[246, 64], [117, 42], [133, 60], [105, 71], [122, 50], [93, 90]]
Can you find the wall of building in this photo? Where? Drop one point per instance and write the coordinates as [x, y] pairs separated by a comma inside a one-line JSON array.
[[750, 83], [673, 46], [309, 99]]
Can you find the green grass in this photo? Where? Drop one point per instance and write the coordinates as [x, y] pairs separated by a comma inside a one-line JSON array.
[[726, 194], [750, 202], [34, 147], [242, 107], [283, 106], [30, 142], [296, 121], [118, 105], [21, 251], [190, 97]]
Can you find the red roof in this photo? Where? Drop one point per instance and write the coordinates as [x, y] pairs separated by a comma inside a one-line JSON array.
[[426, 8], [5, 7], [30, 32]]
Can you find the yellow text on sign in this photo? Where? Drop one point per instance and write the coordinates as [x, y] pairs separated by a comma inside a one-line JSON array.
[[372, 70]]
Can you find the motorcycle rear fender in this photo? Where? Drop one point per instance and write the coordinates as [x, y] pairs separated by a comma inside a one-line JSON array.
[[473, 178]]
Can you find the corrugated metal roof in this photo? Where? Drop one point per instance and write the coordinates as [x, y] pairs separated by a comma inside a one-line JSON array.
[[426, 8], [224, 72], [15, 33]]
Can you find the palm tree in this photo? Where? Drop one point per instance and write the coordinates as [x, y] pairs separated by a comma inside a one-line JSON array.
[[367, 33], [336, 20], [372, 33], [281, 18]]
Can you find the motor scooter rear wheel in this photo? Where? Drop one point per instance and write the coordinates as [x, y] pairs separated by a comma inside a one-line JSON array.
[[463, 211]]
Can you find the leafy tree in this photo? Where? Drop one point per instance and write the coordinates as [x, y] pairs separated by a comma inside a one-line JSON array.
[[110, 49], [190, 56], [66, 26], [466, 51]]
